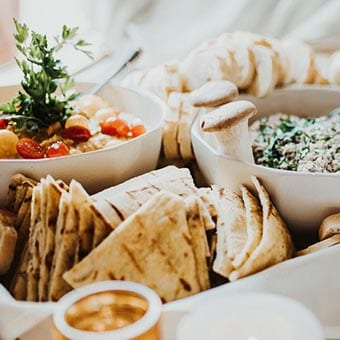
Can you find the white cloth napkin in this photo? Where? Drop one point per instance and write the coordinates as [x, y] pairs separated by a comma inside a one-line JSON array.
[[18, 317]]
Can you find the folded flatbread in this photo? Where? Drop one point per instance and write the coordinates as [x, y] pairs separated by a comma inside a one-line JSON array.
[[127, 197], [254, 227], [276, 244], [199, 239], [51, 194], [153, 247], [66, 240], [34, 245]]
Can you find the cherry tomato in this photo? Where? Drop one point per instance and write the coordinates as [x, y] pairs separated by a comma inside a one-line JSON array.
[[3, 123], [137, 130], [117, 127], [28, 148], [57, 149], [77, 133]]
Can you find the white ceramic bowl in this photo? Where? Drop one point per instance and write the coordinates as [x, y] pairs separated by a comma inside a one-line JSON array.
[[303, 199], [99, 169], [251, 316]]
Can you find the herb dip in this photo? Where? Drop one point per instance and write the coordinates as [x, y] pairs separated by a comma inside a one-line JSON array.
[[289, 142]]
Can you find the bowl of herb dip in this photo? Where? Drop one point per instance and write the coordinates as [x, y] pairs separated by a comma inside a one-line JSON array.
[[295, 141]]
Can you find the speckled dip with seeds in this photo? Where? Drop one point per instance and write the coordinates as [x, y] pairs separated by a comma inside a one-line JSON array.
[[289, 142]]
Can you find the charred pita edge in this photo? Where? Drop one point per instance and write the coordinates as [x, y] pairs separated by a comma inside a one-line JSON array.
[[18, 284], [148, 247], [199, 239], [51, 193], [16, 181], [34, 244], [65, 255], [64, 205]]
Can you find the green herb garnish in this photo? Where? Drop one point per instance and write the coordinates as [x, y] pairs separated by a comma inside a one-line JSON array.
[[277, 138], [38, 106]]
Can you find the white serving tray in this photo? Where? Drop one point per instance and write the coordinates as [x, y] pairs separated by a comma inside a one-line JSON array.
[[312, 279]]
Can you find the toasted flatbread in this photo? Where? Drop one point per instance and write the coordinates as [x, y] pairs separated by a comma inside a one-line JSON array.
[[101, 228], [18, 284], [254, 227], [35, 246], [8, 238], [199, 240], [301, 60], [127, 197], [202, 66], [214, 93], [162, 80], [187, 117], [64, 205], [267, 71], [51, 194], [152, 247], [207, 196], [276, 244], [222, 263], [81, 203], [67, 234], [16, 189], [233, 212], [243, 59], [170, 127]]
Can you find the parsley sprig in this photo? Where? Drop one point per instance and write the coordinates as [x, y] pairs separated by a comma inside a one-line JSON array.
[[38, 106]]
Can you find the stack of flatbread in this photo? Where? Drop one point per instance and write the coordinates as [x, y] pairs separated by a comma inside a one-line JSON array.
[[254, 63], [64, 226], [160, 211], [183, 108], [251, 235], [154, 229]]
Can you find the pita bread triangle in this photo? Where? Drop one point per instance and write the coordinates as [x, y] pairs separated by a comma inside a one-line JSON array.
[[153, 247], [51, 195]]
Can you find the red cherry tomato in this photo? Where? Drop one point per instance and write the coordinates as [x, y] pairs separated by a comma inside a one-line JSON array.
[[117, 127], [28, 148], [3, 123], [137, 130], [77, 133], [57, 149]]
